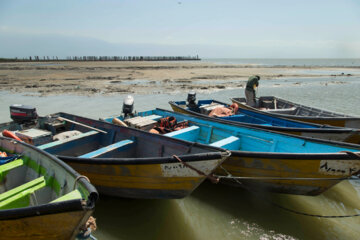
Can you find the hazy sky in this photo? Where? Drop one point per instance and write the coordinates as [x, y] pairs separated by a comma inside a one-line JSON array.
[[210, 28]]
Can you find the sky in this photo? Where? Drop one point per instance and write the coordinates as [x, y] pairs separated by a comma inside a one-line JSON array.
[[208, 28]]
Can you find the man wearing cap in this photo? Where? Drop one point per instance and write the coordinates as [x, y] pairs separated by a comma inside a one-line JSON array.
[[251, 85]]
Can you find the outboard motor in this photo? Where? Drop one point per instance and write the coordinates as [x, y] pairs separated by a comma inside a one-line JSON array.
[[23, 113], [128, 106], [191, 98]]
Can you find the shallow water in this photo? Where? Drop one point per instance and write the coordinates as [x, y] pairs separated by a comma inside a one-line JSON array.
[[333, 62], [217, 211]]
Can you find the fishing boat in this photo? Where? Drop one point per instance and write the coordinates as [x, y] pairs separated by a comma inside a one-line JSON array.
[[120, 161], [260, 159], [41, 197], [265, 120], [284, 108]]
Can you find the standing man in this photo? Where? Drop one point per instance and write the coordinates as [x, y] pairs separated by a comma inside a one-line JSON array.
[[251, 85]]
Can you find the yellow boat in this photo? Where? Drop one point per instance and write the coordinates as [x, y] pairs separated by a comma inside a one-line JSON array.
[[120, 161], [262, 159]]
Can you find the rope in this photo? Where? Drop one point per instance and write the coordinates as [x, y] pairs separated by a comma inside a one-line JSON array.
[[285, 208], [210, 176], [312, 215], [354, 154], [87, 229], [284, 178], [77, 179]]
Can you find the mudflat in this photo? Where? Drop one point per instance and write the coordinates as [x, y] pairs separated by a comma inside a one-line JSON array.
[[108, 78]]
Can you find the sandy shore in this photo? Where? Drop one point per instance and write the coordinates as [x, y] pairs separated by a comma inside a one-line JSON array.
[[88, 78]]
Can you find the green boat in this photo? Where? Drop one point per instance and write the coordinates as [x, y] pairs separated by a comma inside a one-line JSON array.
[[40, 196]]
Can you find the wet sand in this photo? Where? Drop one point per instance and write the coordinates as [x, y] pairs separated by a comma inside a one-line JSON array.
[[109, 78]]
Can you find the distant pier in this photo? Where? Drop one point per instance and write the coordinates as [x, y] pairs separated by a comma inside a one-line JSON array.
[[102, 58]]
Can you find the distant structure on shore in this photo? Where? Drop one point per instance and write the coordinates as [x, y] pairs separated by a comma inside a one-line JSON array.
[[103, 58]]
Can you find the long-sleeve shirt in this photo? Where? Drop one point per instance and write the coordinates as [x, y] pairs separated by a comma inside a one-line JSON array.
[[251, 83]]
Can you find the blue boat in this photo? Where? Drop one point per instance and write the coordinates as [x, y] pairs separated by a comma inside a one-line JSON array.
[[263, 120], [260, 158]]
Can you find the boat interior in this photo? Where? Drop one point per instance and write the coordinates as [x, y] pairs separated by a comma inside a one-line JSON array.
[[31, 179], [233, 137], [68, 135], [277, 105], [204, 107]]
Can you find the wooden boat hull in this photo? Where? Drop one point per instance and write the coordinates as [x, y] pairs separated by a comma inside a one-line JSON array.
[[342, 134], [43, 214], [265, 159], [151, 179], [130, 163], [324, 172], [331, 118], [51, 226]]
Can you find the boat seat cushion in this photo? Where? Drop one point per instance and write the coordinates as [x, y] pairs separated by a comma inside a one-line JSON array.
[[230, 143], [190, 133], [108, 149]]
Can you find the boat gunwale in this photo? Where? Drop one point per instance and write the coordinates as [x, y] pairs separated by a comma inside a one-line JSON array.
[[321, 129], [296, 117], [44, 209], [58, 207], [196, 157], [318, 140], [213, 152], [297, 156]]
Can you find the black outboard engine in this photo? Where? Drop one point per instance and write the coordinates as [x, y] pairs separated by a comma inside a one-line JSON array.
[[23, 113], [128, 106], [191, 98]]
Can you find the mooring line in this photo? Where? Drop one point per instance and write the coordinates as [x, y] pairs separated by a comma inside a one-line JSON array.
[[210, 176], [285, 208]]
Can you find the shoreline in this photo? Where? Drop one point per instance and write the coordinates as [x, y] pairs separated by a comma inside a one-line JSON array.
[[109, 78]]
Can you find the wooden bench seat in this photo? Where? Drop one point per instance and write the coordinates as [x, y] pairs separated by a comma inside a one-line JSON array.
[[9, 166], [19, 196], [68, 143], [229, 143], [75, 194], [189, 133], [107, 149]]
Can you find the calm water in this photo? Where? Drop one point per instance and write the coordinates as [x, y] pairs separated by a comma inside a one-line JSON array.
[[216, 211], [333, 62]]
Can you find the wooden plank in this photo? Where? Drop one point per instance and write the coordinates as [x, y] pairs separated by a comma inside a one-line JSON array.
[[69, 196], [109, 148], [80, 124], [11, 165], [189, 133], [17, 197], [230, 143], [73, 138]]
